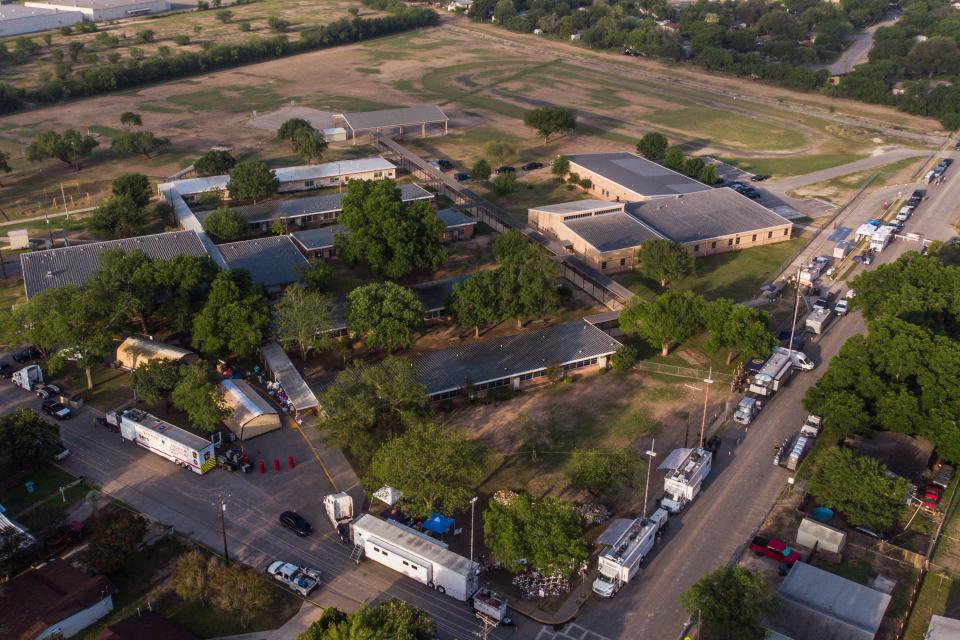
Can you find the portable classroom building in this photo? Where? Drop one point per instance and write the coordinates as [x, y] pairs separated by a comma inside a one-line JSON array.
[[415, 556], [251, 414], [134, 352]]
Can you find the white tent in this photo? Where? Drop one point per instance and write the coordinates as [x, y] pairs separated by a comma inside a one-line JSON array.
[[388, 495]]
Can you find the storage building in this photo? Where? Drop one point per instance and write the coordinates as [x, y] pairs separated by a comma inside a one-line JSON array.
[[456, 225], [814, 534], [134, 352], [103, 10], [17, 19], [251, 415]]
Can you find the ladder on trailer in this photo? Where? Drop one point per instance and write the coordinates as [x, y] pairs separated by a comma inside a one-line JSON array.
[[357, 553]]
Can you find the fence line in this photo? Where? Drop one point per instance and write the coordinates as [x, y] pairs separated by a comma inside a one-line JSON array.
[[683, 372]]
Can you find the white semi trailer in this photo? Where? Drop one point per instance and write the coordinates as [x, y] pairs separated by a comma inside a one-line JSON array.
[[621, 561], [164, 439], [687, 469], [415, 556]]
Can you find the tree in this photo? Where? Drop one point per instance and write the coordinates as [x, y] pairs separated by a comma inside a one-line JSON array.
[[527, 278], [252, 180], [653, 146], [392, 238], [134, 185], [304, 318], [145, 143], [131, 119], [624, 358], [932, 57], [545, 532], [118, 217], [278, 24], [214, 163], [693, 167], [480, 170], [4, 163], [367, 405], [436, 468], [240, 591], [498, 150], [560, 166], [292, 126], [181, 283], [385, 315], [234, 319], [26, 440], [730, 603], [197, 394], [476, 302], [601, 472], [670, 319], [192, 577], [709, 174], [146, 35], [226, 225], [664, 260], [115, 536], [316, 274], [155, 380], [181, 40], [309, 145], [224, 16], [859, 487], [505, 183], [551, 121], [741, 329], [391, 620], [70, 148], [673, 158], [511, 248]]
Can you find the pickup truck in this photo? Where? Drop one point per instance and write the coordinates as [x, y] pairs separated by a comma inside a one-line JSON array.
[[57, 410], [300, 580], [775, 549]]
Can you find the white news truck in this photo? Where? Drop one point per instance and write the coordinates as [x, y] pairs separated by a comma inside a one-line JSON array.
[[799, 358], [881, 238], [687, 469], [164, 439], [339, 508], [774, 374], [629, 543], [818, 320], [415, 555]]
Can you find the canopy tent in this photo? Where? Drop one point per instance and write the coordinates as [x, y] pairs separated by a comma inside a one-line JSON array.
[[388, 495], [134, 352], [438, 523], [279, 364]]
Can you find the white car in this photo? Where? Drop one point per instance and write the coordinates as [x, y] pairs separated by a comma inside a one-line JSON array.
[[842, 307], [903, 217]]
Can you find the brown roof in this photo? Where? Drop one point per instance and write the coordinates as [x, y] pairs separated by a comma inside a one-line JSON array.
[[39, 599], [147, 626]]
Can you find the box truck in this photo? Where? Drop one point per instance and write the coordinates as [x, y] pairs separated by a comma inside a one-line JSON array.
[[629, 543], [881, 238], [415, 555], [339, 507], [774, 374], [687, 469], [818, 320], [162, 438], [27, 377]]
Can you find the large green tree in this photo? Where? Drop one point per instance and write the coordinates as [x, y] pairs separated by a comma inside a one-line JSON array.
[[234, 319], [730, 602], [527, 278], [436, 468], [477, 301], [664, 260], [367, 405], [309, 145], [545, 534], [214, 163], [653, 146], [859, 487], [252, 180], [240, 591], [144, 143], [392, 238], [115, 536], [601, 471], [155, 380], [69, 148], [134, 185], [304, 318], [391, 620], [551, 121], [127, 278], [199, 395], [738, 328], [672, 318], [385, 314], [292, 126], [26, 441], [226, 225], [181, 284], [118, 217]]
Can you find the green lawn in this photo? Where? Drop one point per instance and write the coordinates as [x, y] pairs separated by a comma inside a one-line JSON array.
[[47, 480], [935, 594], [736, 275], [51, 512], [794, 166], [531, 194], [729, 128]]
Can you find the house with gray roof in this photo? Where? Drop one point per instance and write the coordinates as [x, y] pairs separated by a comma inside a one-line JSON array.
[[513, 361], [456, 224], [273, 262]]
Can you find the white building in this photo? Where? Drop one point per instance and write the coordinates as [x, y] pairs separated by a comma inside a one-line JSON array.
[[103, 10], [16, 19]]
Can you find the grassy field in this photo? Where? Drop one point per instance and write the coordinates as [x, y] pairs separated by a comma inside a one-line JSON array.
[[47, 480], [938, 593], [729, 128], [793, 166]]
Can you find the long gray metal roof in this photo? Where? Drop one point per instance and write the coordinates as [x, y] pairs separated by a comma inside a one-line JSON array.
[[454, 218], [287, 375], [245, 402], [643, 177], [490, 360], [404, 116], [414, 544], [271, 261], [63, 266], [434, 294], [612, 231], [708, 214], [319, 238]]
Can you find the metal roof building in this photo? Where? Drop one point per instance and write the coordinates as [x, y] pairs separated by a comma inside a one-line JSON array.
[[56, 268], [273, 262], [452, 218], [16, 19], [434, 295], [513, 359], [101, 10], [312, 240], [819, 605], [279, 364], [612, 231], [389, 119], [627, 176], [332, 169], [942, 628], [251, 414], [134, 352]]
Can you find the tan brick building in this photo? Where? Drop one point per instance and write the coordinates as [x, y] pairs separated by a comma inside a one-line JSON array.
[[627, 177]]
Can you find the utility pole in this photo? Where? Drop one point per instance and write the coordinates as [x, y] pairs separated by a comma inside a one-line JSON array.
[[796, 310], [706, 394], [473, 503], [487, 625], [651, 454], [223, 528]]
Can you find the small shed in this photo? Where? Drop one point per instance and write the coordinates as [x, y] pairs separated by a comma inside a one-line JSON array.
[[251, 415], [18, 239], [822, 536], [134, 352]]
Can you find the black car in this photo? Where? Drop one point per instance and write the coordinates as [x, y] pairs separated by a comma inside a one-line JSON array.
[[57, 410], [6, 370], [295, 522], [530, 166], [760, 177], [462, 176], [918, 194], [26, 354], [505, 169], [445, 164], [947, 162]]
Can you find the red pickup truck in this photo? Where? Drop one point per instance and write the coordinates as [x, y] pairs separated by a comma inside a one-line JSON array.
[[776, 549]]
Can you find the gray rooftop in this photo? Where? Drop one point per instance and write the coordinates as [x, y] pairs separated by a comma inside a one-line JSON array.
[[287, 375], [578, 206], [942, 628], [454, 218], [818, 605], [59, 267], [643, 177], [489, 360], [17, 11], [612, 231], [434, 295], [272, 261], [319, 238], [92, 4], [405, 116], [244, 401], [420, 546], [708, 214]]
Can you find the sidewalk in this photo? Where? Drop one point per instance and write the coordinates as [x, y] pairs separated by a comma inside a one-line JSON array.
[[289, 631]]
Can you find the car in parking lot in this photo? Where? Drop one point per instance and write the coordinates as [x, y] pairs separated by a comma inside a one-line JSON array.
[[531, 166], [445, 164], [296, 523], [759, 177], [505, 169], [26, 354], [48, 391], [842, 307], [56, 410], [461, 176], [6, 370]]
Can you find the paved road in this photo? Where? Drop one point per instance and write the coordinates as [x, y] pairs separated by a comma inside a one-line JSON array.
[[859, 49], [887, 157]]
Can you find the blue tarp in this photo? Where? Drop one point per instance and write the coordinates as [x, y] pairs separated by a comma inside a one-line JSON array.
[[438, 523]]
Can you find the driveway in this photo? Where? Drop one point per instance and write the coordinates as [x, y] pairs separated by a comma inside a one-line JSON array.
[[859, 50]]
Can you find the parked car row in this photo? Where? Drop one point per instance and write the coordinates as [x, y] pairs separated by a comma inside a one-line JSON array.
[[743, 189], [463, 176]]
